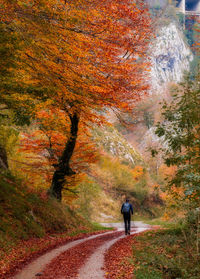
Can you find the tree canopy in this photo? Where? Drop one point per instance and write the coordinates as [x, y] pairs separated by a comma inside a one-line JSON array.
[[80, 57]]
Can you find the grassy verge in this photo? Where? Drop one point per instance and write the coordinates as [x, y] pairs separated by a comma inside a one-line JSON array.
[[161, 222], [168, 253]]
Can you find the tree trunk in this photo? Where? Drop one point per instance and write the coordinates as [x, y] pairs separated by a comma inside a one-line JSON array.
[[3, 158], [63, 168]]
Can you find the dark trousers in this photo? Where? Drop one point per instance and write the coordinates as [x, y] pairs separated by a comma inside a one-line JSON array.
[[127, 222]]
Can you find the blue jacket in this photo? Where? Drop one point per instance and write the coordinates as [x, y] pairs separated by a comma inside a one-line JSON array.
[[130, 207]]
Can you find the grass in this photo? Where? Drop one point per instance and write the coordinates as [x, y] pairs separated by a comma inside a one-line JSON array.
[[166, 254], [24, 214], [98, 227], [162, 223]]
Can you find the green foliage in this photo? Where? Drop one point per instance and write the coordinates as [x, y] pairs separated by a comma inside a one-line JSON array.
[[181, 131], [145, 272], [93, 203], [161, 222], [166, 254], [8, 134], [88, 191], [141, 190], [148, 119]]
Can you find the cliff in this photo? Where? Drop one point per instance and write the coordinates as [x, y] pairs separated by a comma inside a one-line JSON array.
[[170, 57]]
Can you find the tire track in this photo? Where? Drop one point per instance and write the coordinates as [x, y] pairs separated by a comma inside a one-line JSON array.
[[93, 268], [29, 271]]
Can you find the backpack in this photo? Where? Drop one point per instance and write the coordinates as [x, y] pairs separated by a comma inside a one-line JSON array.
[[126, 207]]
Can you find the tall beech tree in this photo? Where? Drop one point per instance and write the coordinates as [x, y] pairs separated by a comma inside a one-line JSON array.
[[89, 55]]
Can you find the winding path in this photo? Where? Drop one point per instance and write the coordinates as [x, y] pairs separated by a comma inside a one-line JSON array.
[[92, 267]]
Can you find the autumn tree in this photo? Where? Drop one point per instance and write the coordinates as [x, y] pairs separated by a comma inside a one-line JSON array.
[[89, 55]]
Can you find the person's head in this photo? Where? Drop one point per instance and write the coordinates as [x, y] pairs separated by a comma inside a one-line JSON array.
[[127, 200]]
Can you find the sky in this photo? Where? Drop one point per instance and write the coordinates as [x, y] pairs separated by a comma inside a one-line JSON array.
[[190, 4]]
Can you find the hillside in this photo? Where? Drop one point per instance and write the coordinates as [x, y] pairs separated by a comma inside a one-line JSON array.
[[32, 223], [120, 172], [27, 213]]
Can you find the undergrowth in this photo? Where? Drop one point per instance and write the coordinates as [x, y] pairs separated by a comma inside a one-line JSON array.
[[26, 213], [166, 254]]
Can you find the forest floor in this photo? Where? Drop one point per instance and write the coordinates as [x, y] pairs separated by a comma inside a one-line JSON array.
[[82, 258]]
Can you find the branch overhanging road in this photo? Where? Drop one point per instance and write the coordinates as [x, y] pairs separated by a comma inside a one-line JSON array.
[[92, 267]]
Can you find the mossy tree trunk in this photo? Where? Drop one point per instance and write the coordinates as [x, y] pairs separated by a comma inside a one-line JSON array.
[[3, 158]]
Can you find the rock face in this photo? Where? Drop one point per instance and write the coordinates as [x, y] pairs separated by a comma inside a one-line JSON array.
[[151, 140], [111, 141], [170, 57]]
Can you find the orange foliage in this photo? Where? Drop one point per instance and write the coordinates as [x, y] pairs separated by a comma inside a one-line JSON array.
[[92, 53], [167, 172], [48, 145], [137, 172], [85, 56]]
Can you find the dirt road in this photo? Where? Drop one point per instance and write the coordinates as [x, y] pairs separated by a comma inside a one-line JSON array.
[[82, 259]]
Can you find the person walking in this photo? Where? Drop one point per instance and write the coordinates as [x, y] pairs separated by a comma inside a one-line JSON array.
[[127, 210]]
